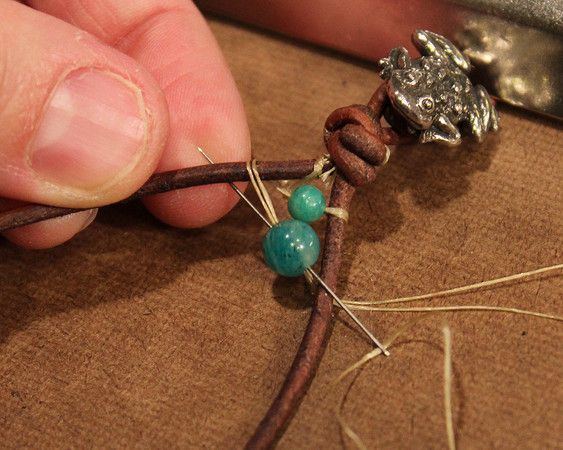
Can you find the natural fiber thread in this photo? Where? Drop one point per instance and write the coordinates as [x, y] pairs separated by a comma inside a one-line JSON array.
[[346, 429], [459, 308], [447, 347], [318, 172], [376, 351], [448, 414], [368, 305], [461, 289], [341, 213], [262, 192], [447, 386], [318, 169], [387, 155]]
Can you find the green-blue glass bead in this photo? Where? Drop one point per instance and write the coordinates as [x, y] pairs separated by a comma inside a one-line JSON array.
[[307, 203], [290, 247]]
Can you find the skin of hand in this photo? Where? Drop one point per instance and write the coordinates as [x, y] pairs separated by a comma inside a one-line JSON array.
[[97, 95]]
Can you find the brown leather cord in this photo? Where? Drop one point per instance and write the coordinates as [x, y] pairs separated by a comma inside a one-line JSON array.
[[357, 144], [168, 181], [314, 340]]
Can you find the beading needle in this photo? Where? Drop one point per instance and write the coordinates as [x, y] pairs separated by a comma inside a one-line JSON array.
[[327, 289]]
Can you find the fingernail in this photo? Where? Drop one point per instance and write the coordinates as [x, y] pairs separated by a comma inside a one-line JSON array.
[[92, 132], [92, 213]]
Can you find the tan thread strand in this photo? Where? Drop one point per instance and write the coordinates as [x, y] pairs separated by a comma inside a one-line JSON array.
[[346, 429], [341, 213], [448, 412], [284, 191], [309, 278], [387, 343], [264, 191], [387, 155], [260, 194], [459, 290], [261, 191], [325, 176], [376, 351], [288, 186], [363, 360], [459, 308], [318, 168], [255, 185]]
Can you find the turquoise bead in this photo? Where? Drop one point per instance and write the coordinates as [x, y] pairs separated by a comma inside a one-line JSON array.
[[307, 203], [290, 247]]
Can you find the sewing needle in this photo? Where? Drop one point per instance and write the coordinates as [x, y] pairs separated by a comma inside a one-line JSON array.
[[327, 289]]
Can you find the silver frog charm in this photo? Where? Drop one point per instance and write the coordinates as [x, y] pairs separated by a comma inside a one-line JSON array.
[[433, 92]]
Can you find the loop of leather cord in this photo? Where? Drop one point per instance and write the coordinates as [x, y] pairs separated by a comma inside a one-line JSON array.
[[356, 142]]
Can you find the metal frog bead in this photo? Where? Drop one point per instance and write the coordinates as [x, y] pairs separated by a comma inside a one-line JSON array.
[[434, 94]]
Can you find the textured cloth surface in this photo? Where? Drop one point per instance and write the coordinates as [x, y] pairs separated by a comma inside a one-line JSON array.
[[139, 335]]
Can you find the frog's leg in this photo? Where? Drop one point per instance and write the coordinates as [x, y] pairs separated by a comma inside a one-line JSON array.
[[487, 110], [484, 116], [398, 59], [442, 131], [432, 44], [476, 123]]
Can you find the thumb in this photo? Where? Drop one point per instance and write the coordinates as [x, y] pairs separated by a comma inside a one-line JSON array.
[[82, 124]]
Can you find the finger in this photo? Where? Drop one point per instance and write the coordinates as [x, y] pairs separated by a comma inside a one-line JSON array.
[[171, 39], [48, 233], [82, 124]]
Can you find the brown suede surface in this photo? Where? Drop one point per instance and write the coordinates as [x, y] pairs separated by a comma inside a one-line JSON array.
[[137, 335]]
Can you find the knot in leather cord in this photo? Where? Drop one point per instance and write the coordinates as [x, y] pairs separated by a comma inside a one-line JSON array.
[[356, 143]]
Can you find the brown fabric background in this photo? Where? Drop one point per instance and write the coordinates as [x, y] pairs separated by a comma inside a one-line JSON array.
[[139, 335]]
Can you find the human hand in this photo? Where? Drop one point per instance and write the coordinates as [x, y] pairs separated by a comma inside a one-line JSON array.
[[97, 95]]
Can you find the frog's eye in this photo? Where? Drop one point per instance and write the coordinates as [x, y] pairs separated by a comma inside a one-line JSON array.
[[427, 104]]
